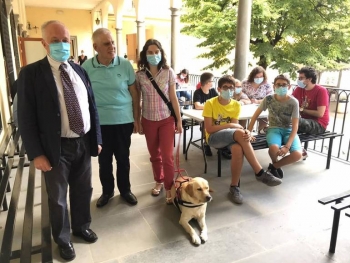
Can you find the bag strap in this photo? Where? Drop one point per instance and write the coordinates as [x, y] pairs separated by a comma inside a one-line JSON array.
[[155, 85]]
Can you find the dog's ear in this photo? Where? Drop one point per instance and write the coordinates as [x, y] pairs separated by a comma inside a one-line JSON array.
[[211, 190], [189, 189]]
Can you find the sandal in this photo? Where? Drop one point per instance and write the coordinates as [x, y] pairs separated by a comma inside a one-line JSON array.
[[168, 200], [155, 190]]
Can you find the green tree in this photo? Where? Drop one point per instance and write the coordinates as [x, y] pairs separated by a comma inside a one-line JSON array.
[[284, 34]]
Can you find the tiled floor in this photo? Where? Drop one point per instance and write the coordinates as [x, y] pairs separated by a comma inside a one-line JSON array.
[[280, 224]]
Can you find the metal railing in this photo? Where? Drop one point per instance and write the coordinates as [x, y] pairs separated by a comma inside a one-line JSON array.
[[339, 121]]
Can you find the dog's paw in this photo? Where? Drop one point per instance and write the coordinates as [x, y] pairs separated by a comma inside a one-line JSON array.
[[196, 239], [204, 236]]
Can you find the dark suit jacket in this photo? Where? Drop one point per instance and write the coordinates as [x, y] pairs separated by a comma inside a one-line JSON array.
[[39, 117]]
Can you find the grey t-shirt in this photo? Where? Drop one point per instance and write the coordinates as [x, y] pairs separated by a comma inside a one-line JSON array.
[[280, 113]]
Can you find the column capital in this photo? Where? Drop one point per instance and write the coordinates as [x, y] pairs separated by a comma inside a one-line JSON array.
[[24, 33], [16, 18], [20, 29], [174, 11], [8, 6]]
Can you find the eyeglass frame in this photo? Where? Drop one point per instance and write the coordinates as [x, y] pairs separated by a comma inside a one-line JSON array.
[[224, 87]]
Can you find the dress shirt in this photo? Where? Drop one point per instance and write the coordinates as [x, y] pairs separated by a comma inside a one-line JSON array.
[[81, 93]]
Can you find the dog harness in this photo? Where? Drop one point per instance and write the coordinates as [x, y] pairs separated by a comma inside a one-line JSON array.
[[177, 200]]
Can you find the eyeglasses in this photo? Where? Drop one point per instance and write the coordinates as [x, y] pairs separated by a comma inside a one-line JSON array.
[[224, 87]]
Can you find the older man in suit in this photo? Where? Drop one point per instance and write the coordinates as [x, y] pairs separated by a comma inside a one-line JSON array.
[[59, 125]]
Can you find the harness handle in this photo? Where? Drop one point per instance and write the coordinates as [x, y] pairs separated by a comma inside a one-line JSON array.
[[178, 170]]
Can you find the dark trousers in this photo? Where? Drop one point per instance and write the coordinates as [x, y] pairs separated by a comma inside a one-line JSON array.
[[73, 170], [116, 141], [310, 126]]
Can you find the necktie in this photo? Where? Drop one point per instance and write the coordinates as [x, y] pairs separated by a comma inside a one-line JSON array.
[[75, 117]]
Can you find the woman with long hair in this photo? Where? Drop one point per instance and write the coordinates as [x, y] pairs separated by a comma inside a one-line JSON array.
[[157, 124], [257, 88]]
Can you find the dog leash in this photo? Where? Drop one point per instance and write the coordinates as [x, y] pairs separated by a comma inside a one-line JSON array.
[[178, 170]]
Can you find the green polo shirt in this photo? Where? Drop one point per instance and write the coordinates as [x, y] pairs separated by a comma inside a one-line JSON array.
[[111, 89]]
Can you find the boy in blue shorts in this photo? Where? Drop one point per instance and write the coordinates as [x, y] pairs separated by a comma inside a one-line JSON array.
[[282, 134], [222, 129]]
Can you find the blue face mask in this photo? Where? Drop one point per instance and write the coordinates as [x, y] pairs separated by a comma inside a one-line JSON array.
[[301, 84], [281, 91], [238, 90], [258, 80], [226, 94], [154, 59], [60, 51]]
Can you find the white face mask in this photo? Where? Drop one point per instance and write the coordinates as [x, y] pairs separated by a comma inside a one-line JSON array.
[[182, 77], [258, 80], [226, 94]]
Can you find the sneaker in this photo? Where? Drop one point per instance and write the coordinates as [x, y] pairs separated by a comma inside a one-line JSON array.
[[236, 194], [207, 150], [273, 171], [268, 179], [263, 130], [226, 153], [280, 173], [304, 155]]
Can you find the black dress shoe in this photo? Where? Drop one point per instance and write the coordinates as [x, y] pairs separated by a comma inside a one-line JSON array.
[[130, 198], [88, 235], [207, 150], [103, 200], [67, 251], [226, 153]]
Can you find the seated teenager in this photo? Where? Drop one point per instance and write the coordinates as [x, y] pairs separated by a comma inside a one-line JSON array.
[[205, 92], [201, 95], [239, 95], [182, 81], [281, 134], [221, 116], [242, 98]]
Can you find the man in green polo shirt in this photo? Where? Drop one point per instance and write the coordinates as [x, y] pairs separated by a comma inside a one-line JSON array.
[[117, 99]]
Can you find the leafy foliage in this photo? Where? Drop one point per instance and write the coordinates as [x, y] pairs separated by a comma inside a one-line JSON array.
[[285, 34]]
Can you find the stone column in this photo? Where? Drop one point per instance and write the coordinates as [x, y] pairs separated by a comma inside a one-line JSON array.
[[118, 38], [242, 39], [8, 5], [175, 23], [141, 37]]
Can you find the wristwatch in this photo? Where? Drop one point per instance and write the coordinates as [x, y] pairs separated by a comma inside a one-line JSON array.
[[301, 109]]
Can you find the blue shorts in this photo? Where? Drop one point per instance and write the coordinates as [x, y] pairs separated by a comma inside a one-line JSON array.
[[280, 136], [221, 139]]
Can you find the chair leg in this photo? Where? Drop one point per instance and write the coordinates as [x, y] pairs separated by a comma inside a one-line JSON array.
[[219, 162], [184, 140], [334, 234]]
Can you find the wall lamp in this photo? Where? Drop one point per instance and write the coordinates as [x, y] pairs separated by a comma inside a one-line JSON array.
[[98, 21], [29, 27]]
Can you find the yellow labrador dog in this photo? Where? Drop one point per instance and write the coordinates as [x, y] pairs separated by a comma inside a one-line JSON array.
[[191, 195]]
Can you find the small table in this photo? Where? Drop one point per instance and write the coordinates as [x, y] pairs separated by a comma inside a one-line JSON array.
[[247, 112]]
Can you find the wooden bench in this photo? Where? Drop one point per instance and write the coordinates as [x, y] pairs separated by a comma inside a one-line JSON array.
[[12, 166], [341, 203], [261, 143]]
